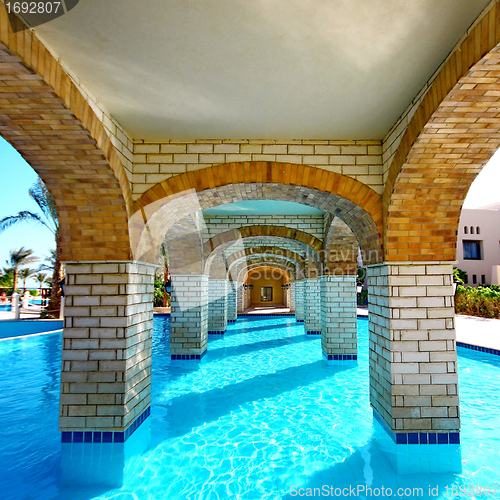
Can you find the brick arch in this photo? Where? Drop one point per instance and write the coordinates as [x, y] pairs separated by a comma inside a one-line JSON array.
[[287, 271], [261, 230], [341, 249], [269, 241], [264, 258], [48, 121], [256, 245], [451, 136], [247, 252], [354, 202]]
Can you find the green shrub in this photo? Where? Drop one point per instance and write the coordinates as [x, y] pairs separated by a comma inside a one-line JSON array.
[[480, 301]]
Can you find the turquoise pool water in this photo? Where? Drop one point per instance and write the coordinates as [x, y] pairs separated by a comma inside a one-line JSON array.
[[262, 416]]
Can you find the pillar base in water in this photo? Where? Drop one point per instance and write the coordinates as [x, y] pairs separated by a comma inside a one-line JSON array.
[[102, 464]]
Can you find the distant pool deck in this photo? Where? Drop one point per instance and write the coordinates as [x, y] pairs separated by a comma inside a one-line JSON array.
[[482, 332]]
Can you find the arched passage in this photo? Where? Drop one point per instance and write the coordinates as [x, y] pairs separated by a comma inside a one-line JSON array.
[[357, 204], [263, 231], [264, 250]]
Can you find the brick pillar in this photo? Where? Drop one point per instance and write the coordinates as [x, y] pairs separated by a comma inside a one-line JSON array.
[[413, 358], [312, 306], [217, 305], [299, 300], [292, 296], [106, 358], [189, 317], [232, 302], [338, 317], [241, 296]]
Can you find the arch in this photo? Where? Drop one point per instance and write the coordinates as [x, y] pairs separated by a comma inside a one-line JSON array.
[[342, 196], [49, 122], [263, 258], [242, 254], [288, 272], [261, 230], [341, 249], [452, 134]]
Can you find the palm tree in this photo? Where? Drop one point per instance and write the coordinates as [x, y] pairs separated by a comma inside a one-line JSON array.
[[163, 261], [18, 258], [48, 218], [41, 278], [24, 274]]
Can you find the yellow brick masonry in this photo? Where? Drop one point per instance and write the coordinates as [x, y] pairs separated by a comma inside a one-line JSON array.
[[155, 162], [485, 31]]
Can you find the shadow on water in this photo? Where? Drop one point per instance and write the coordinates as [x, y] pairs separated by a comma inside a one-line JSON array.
[[239, 350], [209, 406], [373, 466], [275, 326]]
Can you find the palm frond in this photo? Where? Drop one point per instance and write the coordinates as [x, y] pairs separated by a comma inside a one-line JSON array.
[[23, 216], [41, 196], [20, 257]]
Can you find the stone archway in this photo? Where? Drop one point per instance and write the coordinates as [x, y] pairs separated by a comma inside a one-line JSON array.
[[357, 204]]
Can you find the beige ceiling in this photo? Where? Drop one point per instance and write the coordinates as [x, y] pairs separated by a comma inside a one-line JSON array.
[[257, 69]]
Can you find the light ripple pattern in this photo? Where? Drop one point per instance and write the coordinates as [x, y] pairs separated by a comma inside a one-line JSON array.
[[261, 416]]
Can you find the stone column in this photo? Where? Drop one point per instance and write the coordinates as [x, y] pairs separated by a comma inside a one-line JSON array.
[[106, 357], [217, 306], [292, 297], [312, 306], [413, 358], [241, 296], [299, 300], [232, 302], [338, 317], [189, 317]]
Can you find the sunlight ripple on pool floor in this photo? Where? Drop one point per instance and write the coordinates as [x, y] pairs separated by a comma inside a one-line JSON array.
[[261, 414]]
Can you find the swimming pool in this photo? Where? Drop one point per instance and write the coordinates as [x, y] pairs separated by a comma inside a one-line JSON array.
[[260, 417]]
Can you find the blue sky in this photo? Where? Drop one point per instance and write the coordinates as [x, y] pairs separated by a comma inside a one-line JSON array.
[[17, 177]]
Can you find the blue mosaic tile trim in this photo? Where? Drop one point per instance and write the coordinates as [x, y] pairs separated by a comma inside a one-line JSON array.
[[479, 348], [340, 357], [419, 437], [105, 436], [216, 332], [187, 356], [285, 315], [300, 321], [313, 332], [231, 321]]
